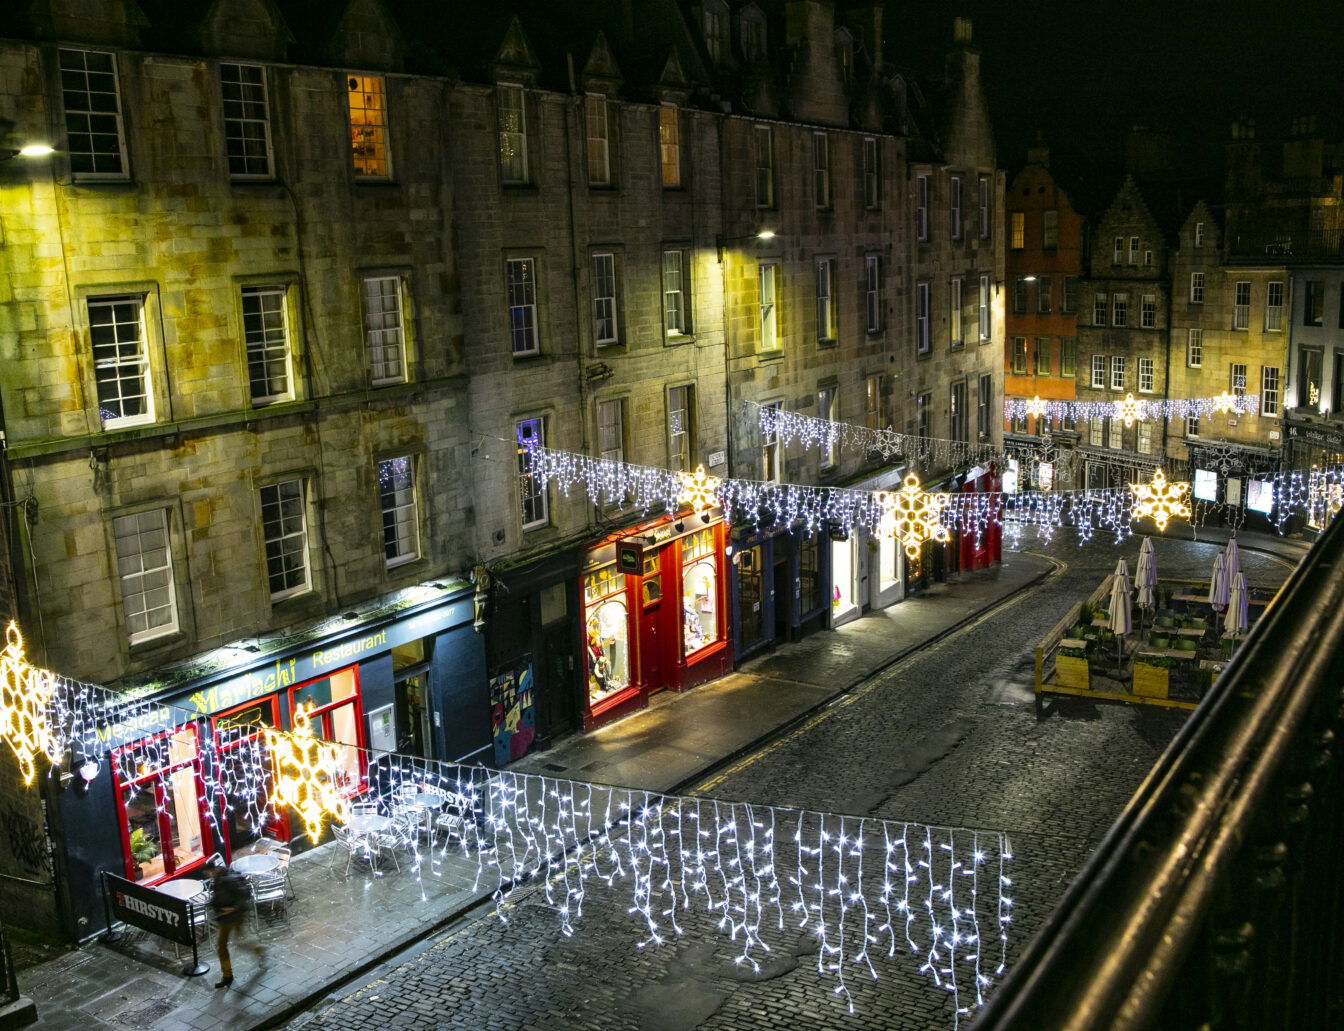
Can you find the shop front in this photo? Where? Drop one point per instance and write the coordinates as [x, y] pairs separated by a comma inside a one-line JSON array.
[[779, 586], [666, 626], [187, 781], [979, 551]]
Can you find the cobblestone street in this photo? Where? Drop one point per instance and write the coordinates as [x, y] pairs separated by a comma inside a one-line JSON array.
[[948, 736]]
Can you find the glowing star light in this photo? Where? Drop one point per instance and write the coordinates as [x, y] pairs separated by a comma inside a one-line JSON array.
[[24, 693], [1160, 500], [1225, 403], [1036, 407], [308, 774], [1128, 410], [912, 517], [699, 490]]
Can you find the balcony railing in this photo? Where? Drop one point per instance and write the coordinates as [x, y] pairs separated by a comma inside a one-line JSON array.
[[1215, 900], [1288, 246]]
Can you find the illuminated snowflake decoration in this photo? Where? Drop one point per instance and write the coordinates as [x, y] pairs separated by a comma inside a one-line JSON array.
[[699, 490], [912, 516], [1160, 500], [1036, 407], [1225, 403], [1128, 410], [24, 694], [309, 775]]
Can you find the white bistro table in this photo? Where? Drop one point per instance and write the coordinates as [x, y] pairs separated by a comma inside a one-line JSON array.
[[187, 888], [257, 863]]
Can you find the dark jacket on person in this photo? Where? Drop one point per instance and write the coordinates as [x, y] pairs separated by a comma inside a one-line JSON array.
[[231, 893]]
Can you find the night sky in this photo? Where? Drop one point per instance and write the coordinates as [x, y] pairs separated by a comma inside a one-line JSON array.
[[1084, 70]]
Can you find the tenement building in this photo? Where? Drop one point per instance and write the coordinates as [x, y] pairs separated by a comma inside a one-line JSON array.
[[1043, 266], [298, 292]]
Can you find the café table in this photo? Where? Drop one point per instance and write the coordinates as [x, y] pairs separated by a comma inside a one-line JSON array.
[[361, 825], [257, 863], [186, 888]]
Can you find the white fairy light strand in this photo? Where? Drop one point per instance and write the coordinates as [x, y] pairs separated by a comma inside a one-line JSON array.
[[674, 855], [828, 435], [1165, 408]]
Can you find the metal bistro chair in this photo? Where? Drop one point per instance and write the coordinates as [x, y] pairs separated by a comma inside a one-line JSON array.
[[283, 855], [352, 846], [269, 890], [452, 819]]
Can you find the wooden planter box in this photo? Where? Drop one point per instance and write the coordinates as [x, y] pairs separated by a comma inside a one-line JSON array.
[[1071, 671], [1150, 681]]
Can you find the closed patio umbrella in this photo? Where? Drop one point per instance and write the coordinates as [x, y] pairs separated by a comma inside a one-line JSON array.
[[1234, 622], [1218, 583], [1120, 622], [1232, 560], [1145, 574]]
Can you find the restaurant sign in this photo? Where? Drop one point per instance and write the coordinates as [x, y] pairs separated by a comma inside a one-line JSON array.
[[149, 909]]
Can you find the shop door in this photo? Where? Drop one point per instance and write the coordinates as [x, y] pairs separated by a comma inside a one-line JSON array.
[[559, 697], [783, 588], [653, 635], [411, 698], [751, 596]]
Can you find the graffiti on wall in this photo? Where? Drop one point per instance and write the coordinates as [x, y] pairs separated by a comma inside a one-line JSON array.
[[27, 844], [513, 711]]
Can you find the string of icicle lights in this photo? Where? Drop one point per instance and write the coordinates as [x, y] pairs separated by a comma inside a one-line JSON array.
[[1090, 511], [868, 890], [827, 435], [1131, 408]]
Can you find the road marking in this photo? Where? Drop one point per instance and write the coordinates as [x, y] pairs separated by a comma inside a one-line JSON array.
[[850, 697]]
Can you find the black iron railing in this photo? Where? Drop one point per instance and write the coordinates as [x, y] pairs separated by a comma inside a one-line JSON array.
[[1215, 900], [1287, 246]]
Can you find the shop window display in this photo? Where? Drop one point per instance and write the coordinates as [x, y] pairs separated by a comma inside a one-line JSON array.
[[608, 634], [162, 807], [699, 592]]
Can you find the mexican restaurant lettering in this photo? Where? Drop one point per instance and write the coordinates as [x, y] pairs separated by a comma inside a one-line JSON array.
[[251, 684]]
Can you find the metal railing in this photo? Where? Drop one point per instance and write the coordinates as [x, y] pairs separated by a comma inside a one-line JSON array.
[[1215, 900], [1287, 245]]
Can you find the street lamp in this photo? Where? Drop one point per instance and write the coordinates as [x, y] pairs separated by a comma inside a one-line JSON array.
[[29, 150], [720, 242]]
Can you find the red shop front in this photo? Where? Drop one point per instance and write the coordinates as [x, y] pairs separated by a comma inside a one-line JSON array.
[[665, 628], [988, 548]]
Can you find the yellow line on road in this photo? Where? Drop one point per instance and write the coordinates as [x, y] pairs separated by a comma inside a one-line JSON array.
[[859, 692]]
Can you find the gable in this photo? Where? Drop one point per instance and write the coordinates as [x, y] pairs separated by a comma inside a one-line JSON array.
[[367, 37], [245, 28]]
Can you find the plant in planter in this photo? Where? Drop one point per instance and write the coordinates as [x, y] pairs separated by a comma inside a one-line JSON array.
[[143, 850]]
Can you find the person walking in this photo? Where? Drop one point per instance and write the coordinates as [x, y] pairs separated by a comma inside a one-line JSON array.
[[230, 901]]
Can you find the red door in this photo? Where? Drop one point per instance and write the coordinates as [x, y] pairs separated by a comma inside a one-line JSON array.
[[652, 639]]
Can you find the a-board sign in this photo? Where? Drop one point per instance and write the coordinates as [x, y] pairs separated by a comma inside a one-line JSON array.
[[150, 910]]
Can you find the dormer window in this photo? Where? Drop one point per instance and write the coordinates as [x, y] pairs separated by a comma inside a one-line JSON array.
[[715, 19], [844, 54], [753, 35]]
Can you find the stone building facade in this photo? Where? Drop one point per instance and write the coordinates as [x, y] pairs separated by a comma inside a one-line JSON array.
[[1123, 337], [290, 300]]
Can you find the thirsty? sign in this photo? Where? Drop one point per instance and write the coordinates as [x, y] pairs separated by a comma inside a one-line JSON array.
[[150, 910]]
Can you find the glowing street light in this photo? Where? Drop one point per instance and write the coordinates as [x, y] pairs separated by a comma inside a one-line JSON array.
[[28, 150]]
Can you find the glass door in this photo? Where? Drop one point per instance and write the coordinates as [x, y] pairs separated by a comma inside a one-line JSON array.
[[246, 775]]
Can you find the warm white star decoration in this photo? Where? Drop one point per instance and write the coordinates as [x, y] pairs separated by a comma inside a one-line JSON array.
[[1160, 500], [1224, 403], [1128, 410], [699, 490], [1036, 406], [912, 516], [309, 775], [24, 694]]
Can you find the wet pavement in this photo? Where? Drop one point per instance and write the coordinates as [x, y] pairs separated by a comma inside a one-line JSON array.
[[920, 712], [946, 734]]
